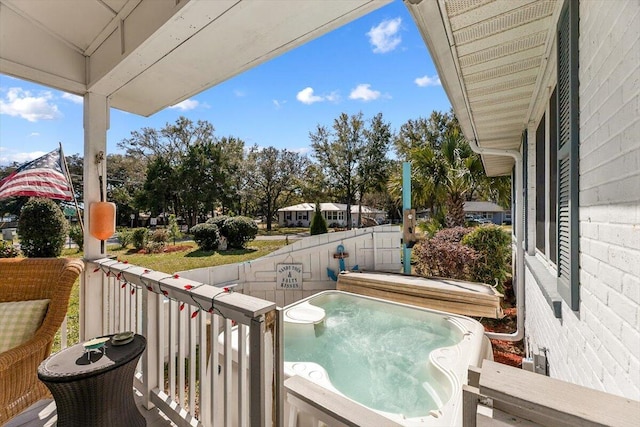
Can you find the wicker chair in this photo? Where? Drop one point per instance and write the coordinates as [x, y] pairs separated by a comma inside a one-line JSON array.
[[31, 279]]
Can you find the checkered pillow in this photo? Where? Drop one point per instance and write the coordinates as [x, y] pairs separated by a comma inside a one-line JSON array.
[[19, 321]]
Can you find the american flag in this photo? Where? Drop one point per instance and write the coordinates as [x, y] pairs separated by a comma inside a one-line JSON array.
[[42, 177]]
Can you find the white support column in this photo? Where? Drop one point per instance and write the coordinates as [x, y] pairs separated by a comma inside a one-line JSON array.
[[96, 124]]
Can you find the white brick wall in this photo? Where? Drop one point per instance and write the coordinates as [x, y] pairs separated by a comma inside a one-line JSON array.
[[599, 347]]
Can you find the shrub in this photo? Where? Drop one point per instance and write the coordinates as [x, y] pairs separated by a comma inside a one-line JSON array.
[[154, 247], [159, 235], [125, 237], [444, 255], [493, 246], [318, 223], [157, 241], [42, 228], [429, 226], [218, 221], [7, 250], [76, 234], [173, 229], [206, 236], [239, 230], [140, 237]]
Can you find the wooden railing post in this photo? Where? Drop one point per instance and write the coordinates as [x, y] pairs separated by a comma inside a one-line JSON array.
[[258, 403], [151, 316]]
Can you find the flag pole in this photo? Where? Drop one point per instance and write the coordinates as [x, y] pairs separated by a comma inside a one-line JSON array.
[[73, 193]]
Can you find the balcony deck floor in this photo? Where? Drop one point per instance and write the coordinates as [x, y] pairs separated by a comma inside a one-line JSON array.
[[43, 414]]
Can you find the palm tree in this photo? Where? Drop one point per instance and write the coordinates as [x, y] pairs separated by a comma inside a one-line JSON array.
[[446, 173]]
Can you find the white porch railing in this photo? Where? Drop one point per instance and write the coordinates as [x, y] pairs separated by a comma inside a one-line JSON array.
[[185, 371]]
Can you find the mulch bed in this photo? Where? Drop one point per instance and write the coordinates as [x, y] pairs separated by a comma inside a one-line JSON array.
[[168, 249], [507, 352]]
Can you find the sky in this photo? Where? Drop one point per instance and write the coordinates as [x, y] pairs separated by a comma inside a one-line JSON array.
[[378, 63]]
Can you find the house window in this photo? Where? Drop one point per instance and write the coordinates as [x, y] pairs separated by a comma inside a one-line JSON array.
[[288, 216], [540, 187], [568, 142]]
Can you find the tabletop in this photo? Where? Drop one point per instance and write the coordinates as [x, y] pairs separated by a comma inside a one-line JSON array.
[[75, 363]]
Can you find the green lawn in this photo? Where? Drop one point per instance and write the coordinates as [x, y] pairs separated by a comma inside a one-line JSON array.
[[169, 263]]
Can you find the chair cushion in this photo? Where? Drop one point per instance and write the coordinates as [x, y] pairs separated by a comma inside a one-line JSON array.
[[19, 321]]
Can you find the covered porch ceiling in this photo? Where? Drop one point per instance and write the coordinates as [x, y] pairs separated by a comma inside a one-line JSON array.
[[491, 56], [145, 55]]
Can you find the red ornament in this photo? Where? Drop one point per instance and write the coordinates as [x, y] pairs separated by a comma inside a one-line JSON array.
[[175, 276], [181, 306], [165, 293], [146, 271], [96, 270], [188, 287], [150, 288], [226, 289], [123, 285], [195, 313], [133, 291]]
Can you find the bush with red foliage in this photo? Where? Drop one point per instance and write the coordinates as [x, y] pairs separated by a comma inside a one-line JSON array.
[[444, 255]]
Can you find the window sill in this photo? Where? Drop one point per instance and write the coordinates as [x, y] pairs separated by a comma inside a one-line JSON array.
[[546, 282]]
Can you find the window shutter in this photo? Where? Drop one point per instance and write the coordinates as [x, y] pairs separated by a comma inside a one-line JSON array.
[[525, 186], [568, 142]]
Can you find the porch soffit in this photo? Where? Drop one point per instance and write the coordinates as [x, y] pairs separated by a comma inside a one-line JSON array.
[[146, 55], [490, 56]]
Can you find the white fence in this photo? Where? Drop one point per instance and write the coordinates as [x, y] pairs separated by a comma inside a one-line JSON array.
[[185, 371], [374, 249]]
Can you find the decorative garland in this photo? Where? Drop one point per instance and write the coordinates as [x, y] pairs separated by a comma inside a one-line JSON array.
[[121, 278]]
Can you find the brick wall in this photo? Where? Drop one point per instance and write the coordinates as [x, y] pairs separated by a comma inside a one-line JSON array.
[[599, 347]]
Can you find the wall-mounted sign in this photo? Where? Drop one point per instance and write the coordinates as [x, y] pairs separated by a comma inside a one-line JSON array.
[[289, 276]]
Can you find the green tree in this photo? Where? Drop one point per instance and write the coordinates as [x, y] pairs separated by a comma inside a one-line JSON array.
[[275, 178], [445, 171], [318, 224], [201, 179], [42, 228], [173, 228], [126, 177], [349, 153], [373, 167]]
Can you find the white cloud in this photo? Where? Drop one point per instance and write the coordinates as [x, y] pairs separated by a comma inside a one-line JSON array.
[[21, 103], [279, 104], [333, 97], [73, 98], [20, 158], [239, 93], [364, 92], [384, 37], [186, 105], [34, 134], [302, 150], [428, 81], [306, 96]]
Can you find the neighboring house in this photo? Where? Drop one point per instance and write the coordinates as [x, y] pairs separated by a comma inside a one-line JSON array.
[[487, 210], [554, 88], [334, 213]]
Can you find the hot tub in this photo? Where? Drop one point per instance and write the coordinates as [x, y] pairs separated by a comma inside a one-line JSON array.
[[404, 362]]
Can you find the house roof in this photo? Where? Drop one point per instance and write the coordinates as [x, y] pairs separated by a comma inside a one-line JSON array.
[[329, 207], [145, 55], [483, 207], [491, 58]]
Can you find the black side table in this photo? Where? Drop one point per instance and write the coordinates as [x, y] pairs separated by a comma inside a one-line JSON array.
[[95, 388]]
